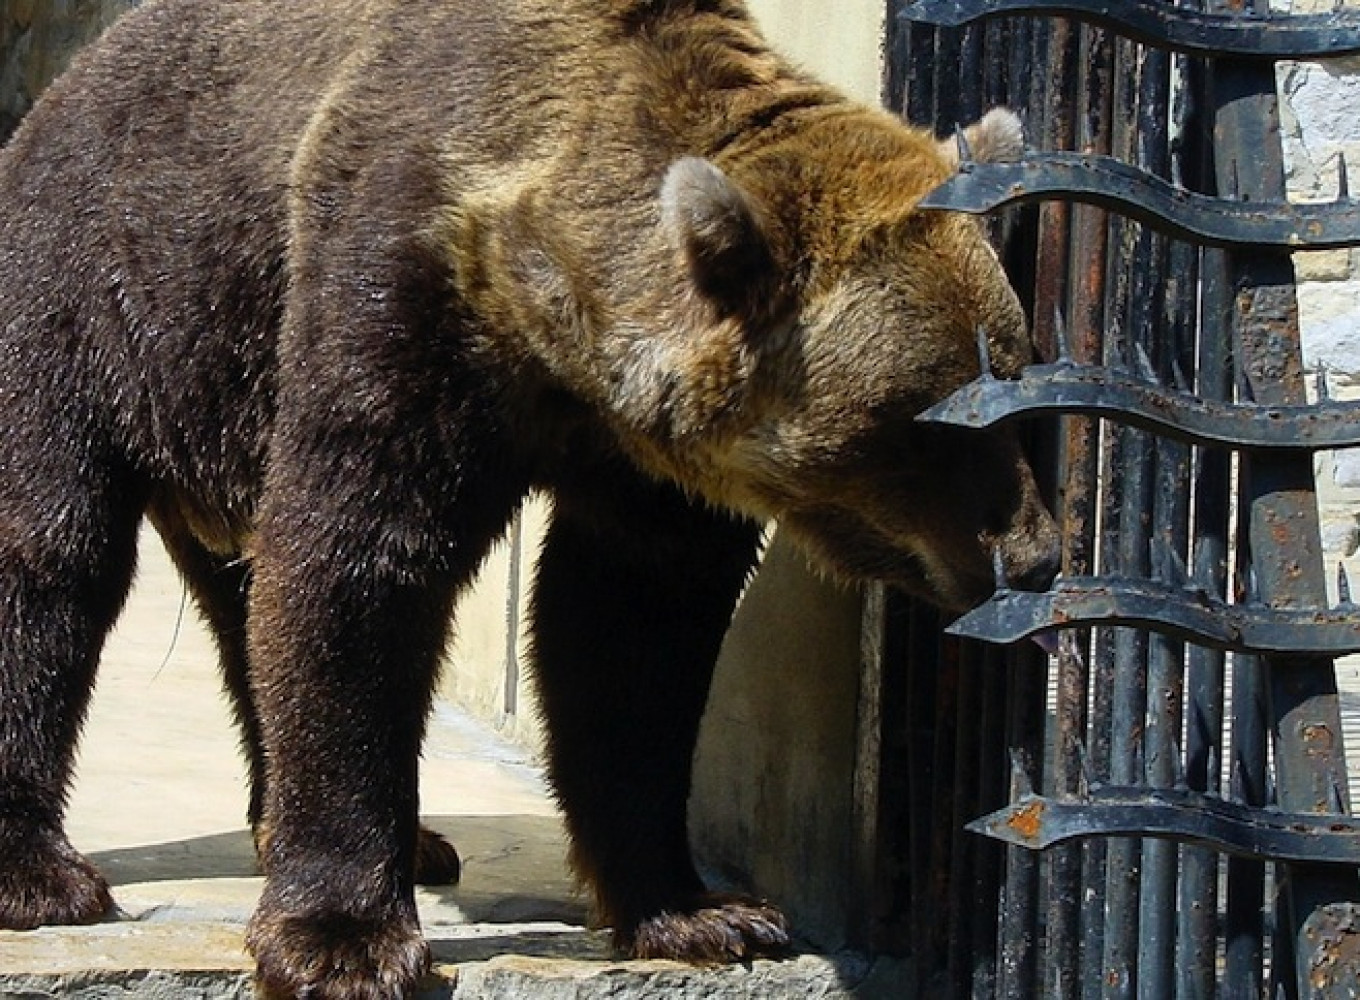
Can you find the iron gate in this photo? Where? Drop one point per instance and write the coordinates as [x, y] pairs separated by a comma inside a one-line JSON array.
[[1177, 815]]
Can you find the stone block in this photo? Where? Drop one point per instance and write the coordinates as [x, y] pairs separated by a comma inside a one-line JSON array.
[[1340, 535], [1346, 468], [1330, 317], [1324, 265]]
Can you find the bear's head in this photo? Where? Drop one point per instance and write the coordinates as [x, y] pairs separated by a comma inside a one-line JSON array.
[[824, 312]]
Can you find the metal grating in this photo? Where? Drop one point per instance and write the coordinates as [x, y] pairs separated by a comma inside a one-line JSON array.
[[1166, 812]]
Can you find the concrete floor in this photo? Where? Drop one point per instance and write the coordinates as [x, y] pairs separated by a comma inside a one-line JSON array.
[[159, 806]]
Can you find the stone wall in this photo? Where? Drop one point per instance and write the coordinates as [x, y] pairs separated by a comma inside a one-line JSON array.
[[1320, 112]]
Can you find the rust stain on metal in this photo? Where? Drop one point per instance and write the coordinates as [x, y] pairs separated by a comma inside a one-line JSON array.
[[1027, 820], [1318, 738], [1335, 961]]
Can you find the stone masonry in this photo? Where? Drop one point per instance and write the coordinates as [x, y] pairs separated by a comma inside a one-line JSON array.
[[1320, 112]]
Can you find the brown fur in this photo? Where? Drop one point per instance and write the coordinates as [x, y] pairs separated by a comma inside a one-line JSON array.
[[324, 288]]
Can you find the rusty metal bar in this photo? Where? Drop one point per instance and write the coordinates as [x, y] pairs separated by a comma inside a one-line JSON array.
[[1205, 673], [1260, 36], [1158, 310], [1130, 505], [1039, 822], [1093, 390], [1309, 759], [1179, 610], [1056, 128], [921, 659], [1146, 197], [992, 791], [1084, 730]]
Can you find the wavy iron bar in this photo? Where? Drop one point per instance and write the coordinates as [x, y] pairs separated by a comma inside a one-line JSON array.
[[1038, 823], [1270, 36], [1094, 391], [1183, 612], [1109, 183]]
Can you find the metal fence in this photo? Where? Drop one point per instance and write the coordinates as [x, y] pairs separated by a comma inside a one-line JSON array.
[[1164, 804]]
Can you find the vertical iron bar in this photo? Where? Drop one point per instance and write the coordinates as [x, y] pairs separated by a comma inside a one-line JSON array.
[[929, 776], [925, 679], [1244, 931], [1130, 513], [962, 855], [920, 97], [1284, 534], [1057, 130], [1197, 949], [868, 833], [1153, 325], [1018, 973], [1089, 727], [937, 887], [992, 788]]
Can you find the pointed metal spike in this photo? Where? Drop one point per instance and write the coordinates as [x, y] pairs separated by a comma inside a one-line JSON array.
[[961, 139], [1336, 801], [984, 353], [999, 572], [1089, 780], [1324, 392], [1343, 180], [1064, 349], [1245, 393], [1178, 377], [1159, 556], [1343, 585], [1021, 782], [1234, 181], [1144, 363], [1175, 572]]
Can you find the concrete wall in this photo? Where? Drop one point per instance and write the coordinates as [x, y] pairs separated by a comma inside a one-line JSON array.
[[486, 670], [773, 800], [841, 42]]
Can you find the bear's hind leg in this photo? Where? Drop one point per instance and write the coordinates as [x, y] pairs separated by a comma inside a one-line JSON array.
[[635, 589], [66, 560]]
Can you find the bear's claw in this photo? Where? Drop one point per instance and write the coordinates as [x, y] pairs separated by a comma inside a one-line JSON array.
[[437, 862], [337, 957], [47, 882], [716, 929]]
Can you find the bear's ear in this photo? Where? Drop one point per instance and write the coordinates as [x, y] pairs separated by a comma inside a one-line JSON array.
[[718, 227], [998, 137]]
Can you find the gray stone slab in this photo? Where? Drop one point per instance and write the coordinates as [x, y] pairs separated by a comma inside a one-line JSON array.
[[206, 961]]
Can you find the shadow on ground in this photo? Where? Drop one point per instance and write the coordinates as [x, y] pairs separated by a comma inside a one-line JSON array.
[[513, 872]]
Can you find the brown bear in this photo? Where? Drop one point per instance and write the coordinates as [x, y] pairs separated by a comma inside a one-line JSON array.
[[324, 288]]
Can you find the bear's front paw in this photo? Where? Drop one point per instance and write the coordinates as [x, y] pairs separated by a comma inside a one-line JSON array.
[[337, 957], [715, 928], [45, 881], [437, 862]]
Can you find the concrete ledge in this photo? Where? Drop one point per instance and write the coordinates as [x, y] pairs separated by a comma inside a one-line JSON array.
[[206, 961]]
